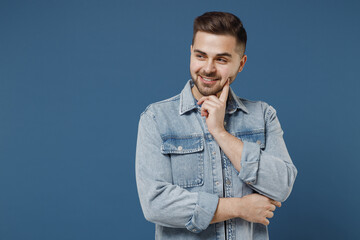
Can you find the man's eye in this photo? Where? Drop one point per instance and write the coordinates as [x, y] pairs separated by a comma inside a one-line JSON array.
[[223, 60], [199, 56]]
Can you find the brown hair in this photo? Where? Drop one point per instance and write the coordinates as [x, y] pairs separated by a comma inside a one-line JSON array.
[[221, 23]]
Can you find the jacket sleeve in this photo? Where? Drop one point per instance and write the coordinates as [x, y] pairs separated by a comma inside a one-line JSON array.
[[269, 171], [162, 202]]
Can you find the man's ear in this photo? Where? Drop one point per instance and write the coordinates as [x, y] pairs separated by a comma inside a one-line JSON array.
[[242, 62], [191, 48]]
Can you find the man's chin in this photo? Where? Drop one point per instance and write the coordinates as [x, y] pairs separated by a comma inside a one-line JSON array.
[[209, 92], [205, 89]]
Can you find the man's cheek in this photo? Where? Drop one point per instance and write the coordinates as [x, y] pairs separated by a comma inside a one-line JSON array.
[[231, 75], [225, 74], [195, 70]]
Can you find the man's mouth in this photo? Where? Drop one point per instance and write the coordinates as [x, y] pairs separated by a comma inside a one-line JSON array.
[[207, 79]]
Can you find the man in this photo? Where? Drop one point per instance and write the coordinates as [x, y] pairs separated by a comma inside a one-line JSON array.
[[210, 165]]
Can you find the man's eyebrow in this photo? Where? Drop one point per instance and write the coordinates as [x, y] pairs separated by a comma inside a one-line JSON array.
[[201, 52], [225, 54]]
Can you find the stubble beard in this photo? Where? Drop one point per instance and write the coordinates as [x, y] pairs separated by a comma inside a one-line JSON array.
[[203, 89]]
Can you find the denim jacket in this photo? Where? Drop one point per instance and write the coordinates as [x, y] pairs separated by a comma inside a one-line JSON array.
[[181, 172]]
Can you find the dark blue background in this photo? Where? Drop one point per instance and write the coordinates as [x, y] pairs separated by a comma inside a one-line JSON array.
[[75, 76]]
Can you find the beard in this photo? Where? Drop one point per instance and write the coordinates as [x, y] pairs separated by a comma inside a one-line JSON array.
[[207, 89]]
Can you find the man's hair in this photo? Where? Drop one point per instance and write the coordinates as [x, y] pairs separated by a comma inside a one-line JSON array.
[[221, 23]]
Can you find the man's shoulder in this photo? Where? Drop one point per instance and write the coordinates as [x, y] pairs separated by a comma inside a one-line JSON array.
[[259, 108], [163, 106], [253, 105]]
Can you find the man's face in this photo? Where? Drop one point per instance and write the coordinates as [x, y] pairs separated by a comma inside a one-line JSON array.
[[214, 59]]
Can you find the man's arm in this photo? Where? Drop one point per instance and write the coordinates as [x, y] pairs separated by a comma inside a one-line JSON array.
[[252, 208], [162, 202], [172, 206], [270, 171], [213, 108]]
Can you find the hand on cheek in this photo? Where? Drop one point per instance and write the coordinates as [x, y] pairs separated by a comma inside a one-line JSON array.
[[213, 108]]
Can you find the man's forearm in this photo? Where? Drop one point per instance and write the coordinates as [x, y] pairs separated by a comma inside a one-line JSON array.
[[224, 211], [231, 145], [253, 208]]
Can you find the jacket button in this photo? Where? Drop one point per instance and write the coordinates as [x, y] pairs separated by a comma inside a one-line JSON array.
[[228, 182], [180, 148], [258, 142]]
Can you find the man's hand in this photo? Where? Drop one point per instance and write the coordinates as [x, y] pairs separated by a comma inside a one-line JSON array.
[[252, 208], [213, 108], [257, 208]]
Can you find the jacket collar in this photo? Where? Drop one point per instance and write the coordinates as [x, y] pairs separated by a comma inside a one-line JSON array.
[[188, 102]]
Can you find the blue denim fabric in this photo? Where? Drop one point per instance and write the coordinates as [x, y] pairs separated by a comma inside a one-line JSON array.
[[181, 172]]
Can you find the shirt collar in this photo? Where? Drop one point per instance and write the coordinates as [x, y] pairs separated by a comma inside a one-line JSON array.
[[188, 102]]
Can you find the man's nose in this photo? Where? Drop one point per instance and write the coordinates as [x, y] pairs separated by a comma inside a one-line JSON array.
[[210, 67]]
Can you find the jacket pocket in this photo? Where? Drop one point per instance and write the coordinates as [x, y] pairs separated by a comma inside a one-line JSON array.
[[187, 159], [255, 136]]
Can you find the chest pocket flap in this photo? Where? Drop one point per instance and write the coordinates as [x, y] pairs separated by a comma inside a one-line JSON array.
[[187, 159], [182, 145], [256, 136]]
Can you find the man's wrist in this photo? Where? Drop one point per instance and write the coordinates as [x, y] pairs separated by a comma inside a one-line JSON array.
[[218, 133], [239, 206], [225, 210]]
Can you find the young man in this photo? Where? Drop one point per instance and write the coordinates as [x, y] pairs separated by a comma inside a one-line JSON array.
[[210, 165]]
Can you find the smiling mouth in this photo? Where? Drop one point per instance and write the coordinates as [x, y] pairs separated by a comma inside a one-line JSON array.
[[208, 80]]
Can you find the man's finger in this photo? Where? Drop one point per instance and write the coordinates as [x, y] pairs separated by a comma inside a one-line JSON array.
[[204, 112], [266, 222], [276, 203], [272, 207], [209, 105], [201, 100], [214, 98], [225, 92], [269, 215]]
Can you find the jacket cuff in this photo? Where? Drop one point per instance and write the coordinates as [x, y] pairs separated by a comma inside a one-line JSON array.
[[249, 162], [203, 213]]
